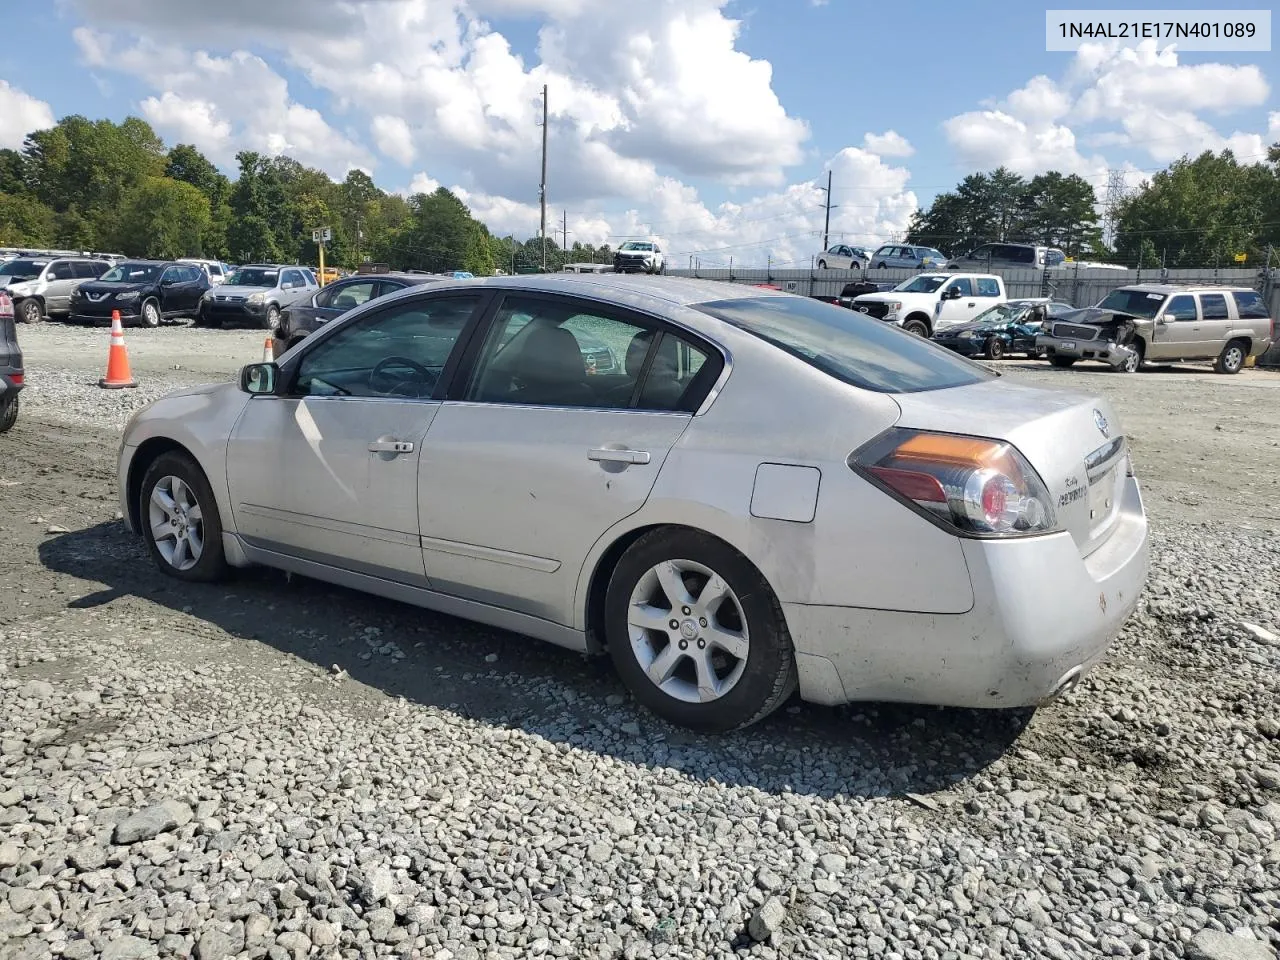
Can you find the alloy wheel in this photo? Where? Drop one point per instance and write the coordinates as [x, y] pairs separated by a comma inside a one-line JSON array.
[[688, 631], [177, 523]]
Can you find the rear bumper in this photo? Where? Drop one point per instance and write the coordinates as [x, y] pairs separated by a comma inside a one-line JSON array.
[[1043, 616], [8, 384], [1102, 350]]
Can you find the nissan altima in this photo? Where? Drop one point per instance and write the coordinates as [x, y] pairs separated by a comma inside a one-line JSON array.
[[768, 494]]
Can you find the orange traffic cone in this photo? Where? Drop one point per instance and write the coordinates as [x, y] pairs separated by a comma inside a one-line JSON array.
[[118, 374], [268, 350]]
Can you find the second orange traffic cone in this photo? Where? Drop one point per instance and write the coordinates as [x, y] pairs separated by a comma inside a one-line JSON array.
[[268, 351], [118, 375]]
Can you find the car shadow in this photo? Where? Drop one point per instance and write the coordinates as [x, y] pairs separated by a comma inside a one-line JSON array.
[[501, 678]]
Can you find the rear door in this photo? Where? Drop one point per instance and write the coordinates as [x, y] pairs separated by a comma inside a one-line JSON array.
[[60, 281], [532, 459], [1215, 325]]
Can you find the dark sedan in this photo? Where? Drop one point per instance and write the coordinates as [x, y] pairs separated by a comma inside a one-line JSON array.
[[1007, 328], [304, 317], [144, 291]]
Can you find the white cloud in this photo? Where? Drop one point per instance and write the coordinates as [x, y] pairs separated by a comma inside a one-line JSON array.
[[20, 114], [888, 144], [189, 121], [394, 138], [1273, 127], [1040, 100], [987, 139], [421, 183]]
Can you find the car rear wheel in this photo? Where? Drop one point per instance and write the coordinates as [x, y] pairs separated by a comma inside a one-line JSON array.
[[696, 633], [179, 518], [1061, 362], [8, 413], [151, 314], [1232, 357], [31, 311], [822, 264], [883, 265]]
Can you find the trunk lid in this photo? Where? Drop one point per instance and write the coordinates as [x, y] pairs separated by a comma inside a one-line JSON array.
[[1072, 440]]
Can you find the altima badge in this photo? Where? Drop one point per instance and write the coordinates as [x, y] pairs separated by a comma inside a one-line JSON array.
[[1101, 423]]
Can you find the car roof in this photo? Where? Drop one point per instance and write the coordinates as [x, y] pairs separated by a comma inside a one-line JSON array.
[[1170, 288], [680, 291]]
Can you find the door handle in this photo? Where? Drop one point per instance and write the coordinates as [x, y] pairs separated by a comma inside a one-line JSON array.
[[605, 455], [391, 446]]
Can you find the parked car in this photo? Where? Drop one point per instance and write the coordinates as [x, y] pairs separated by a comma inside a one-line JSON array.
[[12, 374], [1007, 328], [851, 291], [639, 256], [842, 256], [144, 291], [255, 295], [691, 537], [44, 287], [897, 255], [1164, 323], [304, 317], [215, 270], [1009, 256], [933, 300]]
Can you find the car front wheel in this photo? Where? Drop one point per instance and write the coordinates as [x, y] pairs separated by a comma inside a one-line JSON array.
[[179, 518], [272, 320], [696, 633], [151, 314], [31, 311]]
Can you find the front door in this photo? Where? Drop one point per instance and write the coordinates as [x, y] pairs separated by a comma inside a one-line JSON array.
[[1179, 334], [535, 458], [957, 309], [328, 471], [61, 281]]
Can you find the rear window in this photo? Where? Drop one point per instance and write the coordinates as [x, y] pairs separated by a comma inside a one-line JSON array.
[[1250, 306], [849, 346]]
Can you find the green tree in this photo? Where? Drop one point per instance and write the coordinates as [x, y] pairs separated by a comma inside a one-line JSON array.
[[1061, 211], [13, 172], [1200, 212], [25, 222], [164, 219], [250, 239]]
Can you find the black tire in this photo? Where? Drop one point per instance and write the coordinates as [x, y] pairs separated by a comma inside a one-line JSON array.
[[883, 266], [768, 677], [271, 320], [822, 264], [212, 564], [1232, 358], [31, 311], [995, 348], [149, 315], [1061, 362], [916, 326], [8, 413]]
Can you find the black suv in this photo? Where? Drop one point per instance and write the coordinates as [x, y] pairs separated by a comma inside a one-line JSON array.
[[144, 291], [10, 364]]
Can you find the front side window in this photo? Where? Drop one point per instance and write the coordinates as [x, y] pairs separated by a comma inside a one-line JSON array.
[[1054, 258], [1249, 305], [1181, 308], [133, 273], [544, 352], [849, 346], [926, 284], [61, 271], [398, 353], [963, 285], [885, 252], [1213, 306]]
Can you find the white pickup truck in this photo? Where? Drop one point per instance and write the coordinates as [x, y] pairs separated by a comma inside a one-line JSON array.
[[930, 302]]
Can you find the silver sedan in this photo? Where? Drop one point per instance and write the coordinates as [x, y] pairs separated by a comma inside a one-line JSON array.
[[766, 494]]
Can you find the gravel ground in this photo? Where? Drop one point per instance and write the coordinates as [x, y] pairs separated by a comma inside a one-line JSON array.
[[275, 767]]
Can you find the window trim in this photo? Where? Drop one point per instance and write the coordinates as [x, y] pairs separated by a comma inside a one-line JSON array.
[[717, 356], [370, 311]]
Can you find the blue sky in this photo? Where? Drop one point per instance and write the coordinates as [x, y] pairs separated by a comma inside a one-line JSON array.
[[708, 123]]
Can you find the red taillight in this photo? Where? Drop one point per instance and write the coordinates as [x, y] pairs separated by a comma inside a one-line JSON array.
[[16, 378], [915, 486], [6, 305]]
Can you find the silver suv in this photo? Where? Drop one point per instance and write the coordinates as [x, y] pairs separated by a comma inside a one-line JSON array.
[[42, 286], [1167, 323], [255, 295], [1009, 256], [897, 255]]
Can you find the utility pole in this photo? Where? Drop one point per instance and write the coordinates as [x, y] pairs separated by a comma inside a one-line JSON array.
[[513, 254], [564, 230], [359, 237], [543, 189], [826, 229]]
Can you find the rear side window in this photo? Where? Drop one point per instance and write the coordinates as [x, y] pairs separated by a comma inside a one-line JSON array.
[[987, 287], [1213, 306], [849, 346], [1250, 306], [90, 269]]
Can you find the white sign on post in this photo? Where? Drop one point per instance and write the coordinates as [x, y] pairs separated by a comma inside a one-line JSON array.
[[321, 235]]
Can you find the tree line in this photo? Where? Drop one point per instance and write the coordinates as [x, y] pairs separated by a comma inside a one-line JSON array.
[[103, 186], [1198, 212]]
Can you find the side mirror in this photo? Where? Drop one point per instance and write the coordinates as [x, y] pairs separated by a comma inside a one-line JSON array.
[[259, 378]]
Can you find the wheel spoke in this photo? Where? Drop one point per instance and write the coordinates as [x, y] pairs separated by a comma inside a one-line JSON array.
[[193, 513], [162, 530], [664, 664], [179, 552], [648, 617], [181, 495], [163, 500], [195, 543], [673, 584], [730, 641], [708, 683], [712, 595]]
